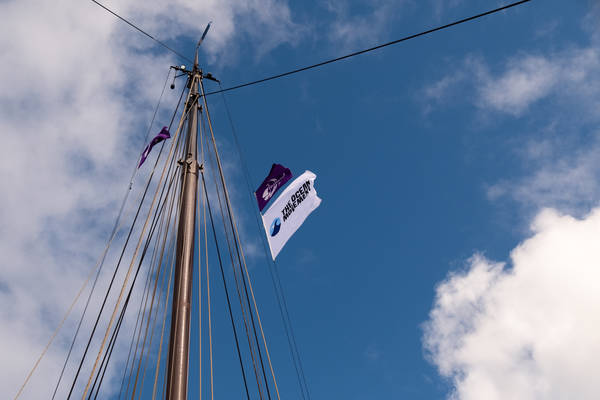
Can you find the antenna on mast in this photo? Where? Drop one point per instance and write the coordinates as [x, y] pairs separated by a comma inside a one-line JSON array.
[[202, 39]]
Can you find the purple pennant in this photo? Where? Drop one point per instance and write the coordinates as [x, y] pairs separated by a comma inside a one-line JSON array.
[[278, 176], [162, 135]]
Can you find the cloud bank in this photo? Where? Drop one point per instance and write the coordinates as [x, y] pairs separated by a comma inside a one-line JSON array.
[[527, 330]]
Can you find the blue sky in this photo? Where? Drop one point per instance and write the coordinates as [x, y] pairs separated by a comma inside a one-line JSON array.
[[436, 159]]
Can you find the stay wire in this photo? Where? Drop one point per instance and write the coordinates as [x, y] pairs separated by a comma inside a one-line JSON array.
[[146, 299], [139, 312], [158, 212], [136, 167], [143, 32], [98, 265], [356, 53], [237, 243], [118, 264], [210, 343], [165, 314], [154, 323], [143, 347], [161, 291], [171, 165], [130, 268], [281, 302], [237, 344], [238, 287]]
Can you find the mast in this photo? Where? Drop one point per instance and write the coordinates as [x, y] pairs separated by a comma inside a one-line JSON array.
[[177, 371]]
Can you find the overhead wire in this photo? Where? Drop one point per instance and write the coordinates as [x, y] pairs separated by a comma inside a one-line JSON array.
[[143, 32], [329, 61], [380, 46]]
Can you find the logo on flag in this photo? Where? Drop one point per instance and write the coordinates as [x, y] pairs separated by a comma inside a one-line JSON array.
[[289, 211], [275, 226], [278, 176]]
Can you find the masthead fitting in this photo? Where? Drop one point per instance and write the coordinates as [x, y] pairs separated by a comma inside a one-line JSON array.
[[203, 35]]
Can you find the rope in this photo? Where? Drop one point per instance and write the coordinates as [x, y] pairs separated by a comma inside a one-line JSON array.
[[238, 245], [162, 290], [152, 302], [210, 346], [225, 285], [281, 302], [128, 272], [98, 266], [117, 267], [162, 334], [55, 332], [158, 214], [236, 279]]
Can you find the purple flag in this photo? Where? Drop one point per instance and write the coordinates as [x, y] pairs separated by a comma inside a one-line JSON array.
[[162, 135], [278, 176]]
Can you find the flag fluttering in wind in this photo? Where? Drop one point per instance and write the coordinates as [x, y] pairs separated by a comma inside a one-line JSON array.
[[162, 135], [289, 211], [278, 176]]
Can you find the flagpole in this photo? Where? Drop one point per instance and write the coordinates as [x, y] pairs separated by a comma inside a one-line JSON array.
[[177, 370]]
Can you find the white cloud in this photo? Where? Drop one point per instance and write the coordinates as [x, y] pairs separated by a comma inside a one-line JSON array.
[[557, 94], [528, 331], [78, 89], [442, 6], [525, 80], [352, 30], [560, 177]]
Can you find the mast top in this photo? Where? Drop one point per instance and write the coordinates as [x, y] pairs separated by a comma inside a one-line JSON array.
[[199, 43]]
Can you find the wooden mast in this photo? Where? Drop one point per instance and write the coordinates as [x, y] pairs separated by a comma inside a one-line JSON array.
[[177, 371]]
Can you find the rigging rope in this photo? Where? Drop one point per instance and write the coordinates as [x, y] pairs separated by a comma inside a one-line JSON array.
[[126, 279], [118, 264], [165, 313], [107, 355], [239, 250], [225, 286], [210, 345], [110, 348], [236, 279], [152, 302], [98, 266], [139, 312], [281, 302]]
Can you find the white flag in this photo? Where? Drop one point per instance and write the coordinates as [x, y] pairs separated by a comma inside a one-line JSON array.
[[289, 211]]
